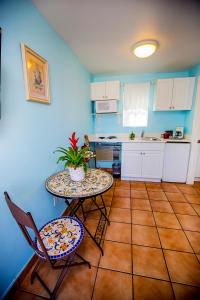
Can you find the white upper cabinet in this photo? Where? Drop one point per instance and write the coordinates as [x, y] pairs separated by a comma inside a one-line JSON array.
[[164, 88], [182, 93], [98, 91], [107, 90], [174, 94]]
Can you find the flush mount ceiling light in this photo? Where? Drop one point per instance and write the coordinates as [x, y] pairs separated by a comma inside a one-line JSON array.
[[145, 48]]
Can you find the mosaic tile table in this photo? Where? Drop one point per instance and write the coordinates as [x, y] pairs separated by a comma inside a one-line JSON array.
[[96, 182]]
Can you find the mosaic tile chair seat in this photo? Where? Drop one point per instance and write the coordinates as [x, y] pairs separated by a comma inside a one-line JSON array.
[[56, 241]]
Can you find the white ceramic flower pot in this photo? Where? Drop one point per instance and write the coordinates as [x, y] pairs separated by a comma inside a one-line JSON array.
[[77, 174]]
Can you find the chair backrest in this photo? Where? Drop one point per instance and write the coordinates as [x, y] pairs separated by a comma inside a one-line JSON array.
[[25, 220]]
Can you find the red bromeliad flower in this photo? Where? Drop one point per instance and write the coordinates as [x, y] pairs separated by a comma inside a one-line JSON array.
[[73, 141]]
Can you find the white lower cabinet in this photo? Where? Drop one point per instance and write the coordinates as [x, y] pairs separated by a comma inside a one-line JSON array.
[[142, 161], [131, 164], [197, 173], [152, 164], [176, 161]]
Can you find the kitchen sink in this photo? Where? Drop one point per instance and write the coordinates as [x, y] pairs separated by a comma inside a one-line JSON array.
[[150, 138]]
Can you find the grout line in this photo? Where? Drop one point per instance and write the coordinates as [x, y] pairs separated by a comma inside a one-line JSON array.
[[93, 219], [154, 247], [114, 182], [183, 228], [187, 237], [118, 271], [162, 248], [30, 293], [171, 281], [94, 283], [99, 267], [196, 210], [160, 279], [163, 253]]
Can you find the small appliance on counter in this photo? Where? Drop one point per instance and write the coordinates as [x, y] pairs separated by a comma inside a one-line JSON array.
[[179, 133], [167, 134]]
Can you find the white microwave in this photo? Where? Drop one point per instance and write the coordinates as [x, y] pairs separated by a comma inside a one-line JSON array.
[[106, 106]]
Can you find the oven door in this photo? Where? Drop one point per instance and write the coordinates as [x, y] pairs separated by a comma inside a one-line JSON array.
[[107, 152], [104, 152]]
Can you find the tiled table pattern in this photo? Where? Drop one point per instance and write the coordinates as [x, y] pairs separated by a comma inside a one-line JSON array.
[[152, 247]]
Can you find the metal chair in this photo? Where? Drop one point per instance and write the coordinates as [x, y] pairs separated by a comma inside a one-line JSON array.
[[56, 240]]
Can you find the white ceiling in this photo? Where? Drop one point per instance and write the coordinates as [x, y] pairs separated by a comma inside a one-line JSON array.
[[101, 32]]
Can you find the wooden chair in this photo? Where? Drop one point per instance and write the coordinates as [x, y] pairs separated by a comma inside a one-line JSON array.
[[56, 240]]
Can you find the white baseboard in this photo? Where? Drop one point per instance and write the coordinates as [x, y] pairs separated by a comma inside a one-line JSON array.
[[141, 179]]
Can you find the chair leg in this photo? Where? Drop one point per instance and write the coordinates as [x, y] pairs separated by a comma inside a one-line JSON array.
[[59, 281], [34, 272], [62, 276], [43, 284], [83, 259]]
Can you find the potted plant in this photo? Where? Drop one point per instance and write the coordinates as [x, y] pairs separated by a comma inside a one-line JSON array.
[[75, 158], [132, 136]]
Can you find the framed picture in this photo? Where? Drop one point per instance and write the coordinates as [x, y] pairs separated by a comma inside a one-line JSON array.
[[35, 76]]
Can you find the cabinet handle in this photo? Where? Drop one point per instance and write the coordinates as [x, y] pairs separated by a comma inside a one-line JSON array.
[[144, 153], [141, 153], [170, 107]]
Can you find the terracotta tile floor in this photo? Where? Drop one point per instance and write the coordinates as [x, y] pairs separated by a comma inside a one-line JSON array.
[[151, 248]]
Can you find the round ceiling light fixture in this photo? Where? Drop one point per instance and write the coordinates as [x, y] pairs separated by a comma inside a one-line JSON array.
[[145, 48]]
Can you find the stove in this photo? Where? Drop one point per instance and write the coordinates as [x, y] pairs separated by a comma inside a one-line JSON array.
[[111, 137]]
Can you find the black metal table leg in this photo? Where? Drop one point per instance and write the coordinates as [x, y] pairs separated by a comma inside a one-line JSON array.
[[80, 204], [102, 212], [94, 240], [103, 204], [83, 212]]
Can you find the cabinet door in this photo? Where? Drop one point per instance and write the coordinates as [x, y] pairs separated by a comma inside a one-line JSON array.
[[182, 93], [163, 98], [112, 90], [98, 91], [197, 173], [131, 163], [152, 164], [176, 161]]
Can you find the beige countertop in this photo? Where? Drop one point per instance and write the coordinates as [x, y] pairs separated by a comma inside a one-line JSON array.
[[125, 139]]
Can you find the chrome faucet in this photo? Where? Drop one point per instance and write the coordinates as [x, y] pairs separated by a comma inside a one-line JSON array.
[[142, 134]]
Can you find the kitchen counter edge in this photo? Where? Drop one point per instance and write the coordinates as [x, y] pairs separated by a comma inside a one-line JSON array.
[[126, 140]]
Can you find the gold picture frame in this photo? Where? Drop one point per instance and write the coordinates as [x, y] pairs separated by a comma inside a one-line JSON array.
[[35, 76]]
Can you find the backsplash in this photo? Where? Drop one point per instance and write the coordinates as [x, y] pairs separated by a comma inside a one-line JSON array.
[[157, 121]]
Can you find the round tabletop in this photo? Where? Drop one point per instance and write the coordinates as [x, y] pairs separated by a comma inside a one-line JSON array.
[[95, 182]]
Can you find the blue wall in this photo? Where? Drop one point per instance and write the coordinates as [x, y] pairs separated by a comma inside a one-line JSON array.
[[157, 121], [195, 71], [30, 132]]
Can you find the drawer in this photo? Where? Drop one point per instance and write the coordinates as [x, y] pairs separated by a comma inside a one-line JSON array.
[[154, 146]]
